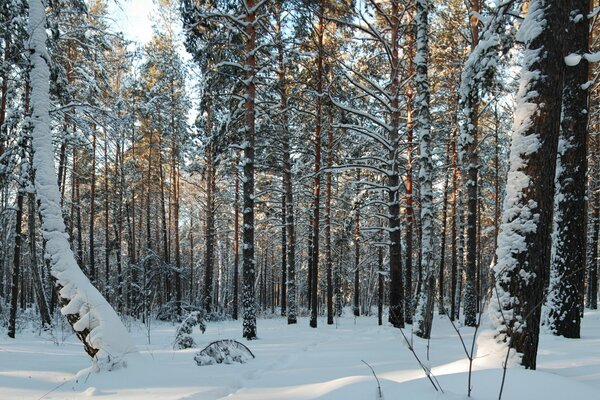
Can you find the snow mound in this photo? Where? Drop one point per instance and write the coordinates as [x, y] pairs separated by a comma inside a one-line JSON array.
[[224, 352]]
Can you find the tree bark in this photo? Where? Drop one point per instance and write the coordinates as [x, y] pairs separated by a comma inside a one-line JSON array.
[[317, 166], [567, 269], [248, 295], [522, 265], [396, 310]]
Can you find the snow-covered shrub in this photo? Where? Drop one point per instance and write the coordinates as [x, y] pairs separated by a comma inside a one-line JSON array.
[[183, 338], [223, 352]]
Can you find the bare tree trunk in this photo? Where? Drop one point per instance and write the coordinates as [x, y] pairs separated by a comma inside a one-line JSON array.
[[441, 272], [248, 295], [328, 256], [283, 296], [396, 312], [471, 158], [16, 270], [40, 296], [380, 286], [107, 246], [357, 259], [408, 183], [92, 255], [317, 178], [236, 245]]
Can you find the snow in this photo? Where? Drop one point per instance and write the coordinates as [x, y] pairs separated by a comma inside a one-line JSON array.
[[295, 362], [519, 217], [106, 334], [572, 59]]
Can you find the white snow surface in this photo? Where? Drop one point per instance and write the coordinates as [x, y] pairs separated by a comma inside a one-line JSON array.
[[106, 332], [295, 362]]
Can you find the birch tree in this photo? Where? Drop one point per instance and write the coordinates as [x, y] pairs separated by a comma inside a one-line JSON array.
[[423, 317]]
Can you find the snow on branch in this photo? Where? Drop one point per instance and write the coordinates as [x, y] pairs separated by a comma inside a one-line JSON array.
[[95, 322]]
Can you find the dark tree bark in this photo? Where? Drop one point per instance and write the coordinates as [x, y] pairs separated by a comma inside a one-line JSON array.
[[471, 160], [92, 255], [380, 286], [396, 311], [356, 307], [283, 291], [16, 270], [328, 255], [210, 229], [408, 183], [40, 295], [107, 247], [249, 273], [441, 272], [236, 245], [317, 179], [523, 267], [592, 297], [567, 272], [453, 235]]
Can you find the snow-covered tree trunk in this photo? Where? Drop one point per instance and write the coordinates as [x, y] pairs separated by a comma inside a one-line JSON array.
[[93, 319], [567, 270], [524, 240], [477, 73], [424, 312]]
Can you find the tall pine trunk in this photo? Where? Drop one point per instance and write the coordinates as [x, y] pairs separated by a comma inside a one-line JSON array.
[[396, 310], [567, 269], [249, 264], [525, 234]]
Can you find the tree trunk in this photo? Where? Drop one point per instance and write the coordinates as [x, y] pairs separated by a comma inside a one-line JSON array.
[[107, 249], [592, 298], [92, 255], [16, 270], [408, 282], [40, 295], [441, 289], [328, 256], [248, 295], [209, 261], [283, 294], [357, 259], [523, 264], [236, 244], [380, 285], [471, 167], [86, 310], [317, 177], [424, 315], [567, 269], [396, 311]]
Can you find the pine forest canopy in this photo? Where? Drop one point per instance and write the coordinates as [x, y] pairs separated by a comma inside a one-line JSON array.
[[298, 158]]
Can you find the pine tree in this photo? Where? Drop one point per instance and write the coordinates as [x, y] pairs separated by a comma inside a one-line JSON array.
[[524, 239], [568, 264]]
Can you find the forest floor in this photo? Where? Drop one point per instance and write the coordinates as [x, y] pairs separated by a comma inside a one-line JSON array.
[[296, 362]]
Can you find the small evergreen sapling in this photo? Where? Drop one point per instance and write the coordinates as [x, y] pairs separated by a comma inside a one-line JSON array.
[[183, 338]]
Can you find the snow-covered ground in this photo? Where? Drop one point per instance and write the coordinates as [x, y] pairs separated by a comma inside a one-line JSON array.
[[297, 362]]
